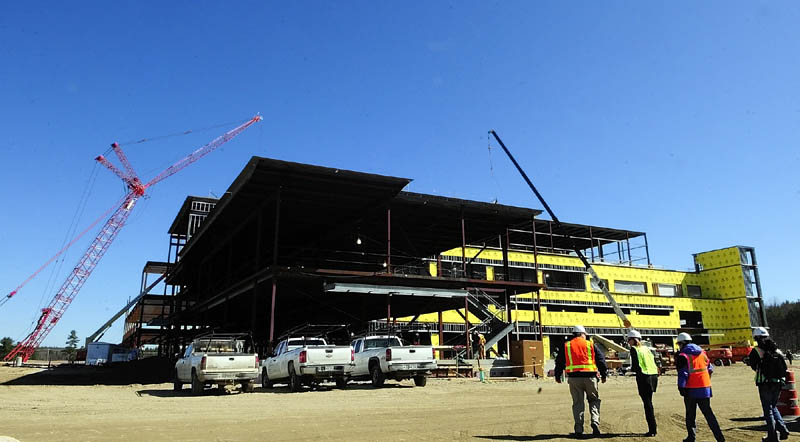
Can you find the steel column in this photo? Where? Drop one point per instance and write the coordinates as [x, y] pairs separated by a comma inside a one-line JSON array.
[[628, 244], [591, 241], [535, 254], [275, 250], [647, 250], [441, 331], [389, 240], [388, 313], [466, 327], [463, 246]]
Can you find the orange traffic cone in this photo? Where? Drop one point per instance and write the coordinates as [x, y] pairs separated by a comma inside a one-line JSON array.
[[787, 401]]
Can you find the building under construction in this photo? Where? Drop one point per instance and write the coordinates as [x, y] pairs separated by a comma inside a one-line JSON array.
[[292, 244]]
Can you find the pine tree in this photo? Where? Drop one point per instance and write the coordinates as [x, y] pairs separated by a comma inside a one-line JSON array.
[[6, 345], [72, 345]]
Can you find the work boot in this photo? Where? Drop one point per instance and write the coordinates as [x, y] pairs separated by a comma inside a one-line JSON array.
[[595, 430], [784, 435], [650, 434]]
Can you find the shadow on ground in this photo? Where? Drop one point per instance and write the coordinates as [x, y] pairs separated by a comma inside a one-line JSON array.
[[558, 436], [792, 423], [145, 371], [217, 391]]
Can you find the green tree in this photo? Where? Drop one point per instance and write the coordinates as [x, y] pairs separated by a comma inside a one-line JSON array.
[[783, 319], [72, 345], [6, 345]]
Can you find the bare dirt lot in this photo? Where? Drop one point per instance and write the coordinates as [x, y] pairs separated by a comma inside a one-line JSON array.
[[456, 409]]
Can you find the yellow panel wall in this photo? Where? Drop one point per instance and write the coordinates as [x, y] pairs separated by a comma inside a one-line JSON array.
[[723, 303]]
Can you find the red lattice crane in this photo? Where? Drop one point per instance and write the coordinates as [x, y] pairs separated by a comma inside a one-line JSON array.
[[136, 189]]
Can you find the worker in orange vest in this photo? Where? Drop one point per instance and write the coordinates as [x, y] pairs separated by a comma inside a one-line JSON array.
[[694, 383], [582, 361]]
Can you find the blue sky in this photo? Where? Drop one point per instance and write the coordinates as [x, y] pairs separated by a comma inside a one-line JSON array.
[[679, 118]]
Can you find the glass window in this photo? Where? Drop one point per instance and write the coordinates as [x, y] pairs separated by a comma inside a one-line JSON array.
[[694, 291], [596, 287], [565, 280], [381, 343], [630, 287], [666, 289]]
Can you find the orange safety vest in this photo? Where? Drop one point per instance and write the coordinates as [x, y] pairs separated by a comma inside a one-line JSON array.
[[580, 355], [698, 371]]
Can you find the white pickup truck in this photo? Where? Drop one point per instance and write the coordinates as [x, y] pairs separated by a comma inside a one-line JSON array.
[[298, 361], [378, 358], [216, 360]]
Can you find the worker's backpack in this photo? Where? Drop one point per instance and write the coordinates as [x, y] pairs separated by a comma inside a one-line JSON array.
[[772, 366]]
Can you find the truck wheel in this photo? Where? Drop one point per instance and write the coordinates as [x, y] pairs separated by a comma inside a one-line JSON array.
[[420, 381], [265, 379], [294, 380], [341, 383], [177, 385], [197, 386], [718, 362], [247, 387], [726, 362], [377, 376], [746, 360]]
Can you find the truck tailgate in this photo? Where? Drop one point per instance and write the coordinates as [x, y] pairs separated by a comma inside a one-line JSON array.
[[416, 353], [328, 355], [230, 362]]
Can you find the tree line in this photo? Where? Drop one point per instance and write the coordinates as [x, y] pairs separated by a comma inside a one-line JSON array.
[[783, 320], [44, 353]]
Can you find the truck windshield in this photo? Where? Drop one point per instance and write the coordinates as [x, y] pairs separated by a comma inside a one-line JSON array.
[[381, 342], [219, 345]]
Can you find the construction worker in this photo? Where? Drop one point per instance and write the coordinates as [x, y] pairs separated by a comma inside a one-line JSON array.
[[694, 383], [643, 363], [582, 361], [767, 361], [482, 345], [789, 356]]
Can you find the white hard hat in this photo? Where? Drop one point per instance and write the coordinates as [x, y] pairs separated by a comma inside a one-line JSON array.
[[684, 337], [578, 329], [760, 332], [634, 334]]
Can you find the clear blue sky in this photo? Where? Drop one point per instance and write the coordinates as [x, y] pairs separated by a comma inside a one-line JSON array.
[[679, 118]]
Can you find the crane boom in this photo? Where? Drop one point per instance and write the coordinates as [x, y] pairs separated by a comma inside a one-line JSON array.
[[98, 247], [77, 277], [600, 283]]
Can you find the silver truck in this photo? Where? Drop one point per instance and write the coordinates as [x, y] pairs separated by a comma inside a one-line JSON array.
[[216, 360], [302, 361], [378, 358]]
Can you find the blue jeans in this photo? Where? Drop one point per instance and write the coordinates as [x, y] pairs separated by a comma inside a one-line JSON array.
[[769, 393], [704, 404]]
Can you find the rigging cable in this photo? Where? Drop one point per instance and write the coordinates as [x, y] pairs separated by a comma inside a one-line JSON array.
[[491, 170]]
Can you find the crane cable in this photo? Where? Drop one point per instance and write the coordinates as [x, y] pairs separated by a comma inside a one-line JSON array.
[[499, 190], [178, 134], [71, 230]]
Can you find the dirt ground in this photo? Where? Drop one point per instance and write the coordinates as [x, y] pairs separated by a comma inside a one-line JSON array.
[[446, 409]]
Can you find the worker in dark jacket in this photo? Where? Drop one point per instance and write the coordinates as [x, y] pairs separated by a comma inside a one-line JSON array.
[[694, 384], [584, 363], [643, 363], [769, 384]]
